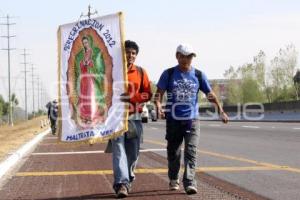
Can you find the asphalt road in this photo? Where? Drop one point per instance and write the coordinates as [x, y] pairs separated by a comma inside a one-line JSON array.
[[261, 157], [254, 161]]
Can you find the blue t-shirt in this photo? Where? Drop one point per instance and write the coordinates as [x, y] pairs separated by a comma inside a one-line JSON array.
[[182, 93]]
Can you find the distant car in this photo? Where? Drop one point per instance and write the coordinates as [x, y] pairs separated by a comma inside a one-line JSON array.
[[145, 114], [153, 115]]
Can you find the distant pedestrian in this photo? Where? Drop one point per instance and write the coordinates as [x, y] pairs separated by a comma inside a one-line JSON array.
[[52, 115], [182, 84]]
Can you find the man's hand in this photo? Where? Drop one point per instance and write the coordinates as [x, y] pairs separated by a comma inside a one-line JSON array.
[[161, 113], [158, 99], [211, 97], [125, 97], [224, 117]]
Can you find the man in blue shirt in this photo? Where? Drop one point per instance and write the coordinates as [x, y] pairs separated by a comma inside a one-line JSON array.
[[182, 84]]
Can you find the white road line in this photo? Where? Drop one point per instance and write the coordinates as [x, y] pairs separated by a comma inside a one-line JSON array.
[[87, 152], [250, 126], [66, 153], [7, 164], [214, 125], [296, 128], [48, 138], [154, 128], [152, 150]]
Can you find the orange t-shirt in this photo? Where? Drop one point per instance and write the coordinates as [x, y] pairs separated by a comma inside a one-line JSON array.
[[138, 97]]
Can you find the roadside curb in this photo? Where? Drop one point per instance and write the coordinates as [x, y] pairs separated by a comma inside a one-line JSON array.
[[8, 163], [274, 121]]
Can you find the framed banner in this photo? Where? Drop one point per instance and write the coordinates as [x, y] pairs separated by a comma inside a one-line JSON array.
[[92, 76]]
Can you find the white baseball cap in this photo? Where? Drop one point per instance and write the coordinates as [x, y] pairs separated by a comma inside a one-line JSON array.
[[185, 49]]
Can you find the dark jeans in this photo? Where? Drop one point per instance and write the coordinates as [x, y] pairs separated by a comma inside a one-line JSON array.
[[177, 131], [53, 125]]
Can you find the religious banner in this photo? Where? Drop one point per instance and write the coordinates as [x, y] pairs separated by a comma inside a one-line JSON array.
[[92, 76]]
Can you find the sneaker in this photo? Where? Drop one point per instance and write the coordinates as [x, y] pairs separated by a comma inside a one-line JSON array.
[[174, 185], [122, 192], [129, 187], [191, 189]]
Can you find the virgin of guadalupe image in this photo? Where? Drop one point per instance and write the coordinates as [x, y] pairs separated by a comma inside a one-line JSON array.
[[89, 80]]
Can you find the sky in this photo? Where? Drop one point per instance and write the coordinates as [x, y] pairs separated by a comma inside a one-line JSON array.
[[223, 34]]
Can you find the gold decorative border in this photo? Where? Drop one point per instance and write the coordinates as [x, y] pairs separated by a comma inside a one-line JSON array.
[[59, 120], [122, 35], [116, 134]]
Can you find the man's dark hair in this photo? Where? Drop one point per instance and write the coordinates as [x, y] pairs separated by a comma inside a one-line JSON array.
[[132, 44]]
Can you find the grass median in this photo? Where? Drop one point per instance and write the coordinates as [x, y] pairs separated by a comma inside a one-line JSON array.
[[12, 138]]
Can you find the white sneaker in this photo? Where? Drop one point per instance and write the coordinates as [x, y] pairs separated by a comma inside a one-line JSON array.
[[174, 185], [191, 189]]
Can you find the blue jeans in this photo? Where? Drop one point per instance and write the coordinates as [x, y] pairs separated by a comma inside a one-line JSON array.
[[125, 153]]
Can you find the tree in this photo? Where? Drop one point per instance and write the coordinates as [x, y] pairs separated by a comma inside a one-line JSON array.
[[5, 107], [216, 89], [260, 70], [246, 83], [283, 68], [234, 95], [250, 91], [297, 83], [259, 65], [251, 83], [153, 88], [2, 102], [14, 100]]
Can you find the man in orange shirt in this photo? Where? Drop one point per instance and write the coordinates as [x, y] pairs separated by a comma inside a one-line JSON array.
[[125, 149]]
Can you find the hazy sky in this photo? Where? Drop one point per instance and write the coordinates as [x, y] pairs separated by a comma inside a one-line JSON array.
[[223, 33]]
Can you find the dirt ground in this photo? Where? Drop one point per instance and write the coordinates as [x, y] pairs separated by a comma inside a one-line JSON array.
[[11, 138]]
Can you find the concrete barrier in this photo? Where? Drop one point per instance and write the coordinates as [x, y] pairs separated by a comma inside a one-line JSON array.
[[279, 112]]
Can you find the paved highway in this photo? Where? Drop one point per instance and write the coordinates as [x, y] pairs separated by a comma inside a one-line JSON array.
[[253, 161], [260, 157]]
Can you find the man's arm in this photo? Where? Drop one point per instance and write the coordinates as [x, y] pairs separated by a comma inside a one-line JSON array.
[[211, 96], [49, 111], [146, 93], [157, 100]]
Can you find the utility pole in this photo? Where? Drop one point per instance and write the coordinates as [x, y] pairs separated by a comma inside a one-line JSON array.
[[38, 96], [25, 73], [89, 14], [41, 94], [44, 96], [8, 36], [32, 68]]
